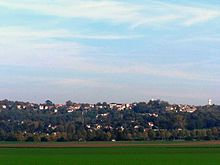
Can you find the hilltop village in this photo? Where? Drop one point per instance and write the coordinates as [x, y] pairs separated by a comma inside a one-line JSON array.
[[69, 106], [152, 120]]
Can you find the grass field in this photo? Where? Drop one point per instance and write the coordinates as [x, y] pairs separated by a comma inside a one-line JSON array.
[[110, 153]]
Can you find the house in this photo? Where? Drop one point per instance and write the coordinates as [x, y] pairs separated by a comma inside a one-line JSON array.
[[4, 106], [88, 126], [70, 110], [120, 107], [136, 127], [108, 127], [128, 106], [182, 108], [112, 105], [102, 114], [120, 128], [99, 106], [45, 107], [53, 127], [153, 115], [187, 108], [41, 107], [59, 105], [73, 108], [76, 106], [87, 106], [172, 108], [19, 107], [98, 126], [151, 124]]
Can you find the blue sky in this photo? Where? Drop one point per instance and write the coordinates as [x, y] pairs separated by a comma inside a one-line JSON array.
[[108, 50]]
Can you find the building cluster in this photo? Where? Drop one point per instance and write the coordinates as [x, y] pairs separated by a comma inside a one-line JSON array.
[[181, 108], [71, 107], [5, 104]]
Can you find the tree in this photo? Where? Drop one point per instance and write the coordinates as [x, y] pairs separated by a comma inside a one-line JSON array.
[[43, 139], [162, 134], [168, 135], [61, 139], [11, 137], [69, 103], [30, 139], [151, 134], [49, 103]]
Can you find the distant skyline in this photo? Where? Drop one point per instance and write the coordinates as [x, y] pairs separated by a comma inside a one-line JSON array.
[[108, 50]]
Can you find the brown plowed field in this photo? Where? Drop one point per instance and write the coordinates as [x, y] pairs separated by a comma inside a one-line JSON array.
[[107, 144]]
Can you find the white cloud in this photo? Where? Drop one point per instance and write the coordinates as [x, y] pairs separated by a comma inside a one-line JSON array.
[[135, 14], [200, 16], [207, 38], [96, 10], [22, 46], [27, 33], [22, 49], [192, 14], [155, 20], [25, 46], [161, 71]]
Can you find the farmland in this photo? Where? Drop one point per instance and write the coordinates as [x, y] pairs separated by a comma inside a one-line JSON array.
[[98, 153]]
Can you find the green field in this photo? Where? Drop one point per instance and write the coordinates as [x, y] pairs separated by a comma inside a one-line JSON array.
[[119, 155]]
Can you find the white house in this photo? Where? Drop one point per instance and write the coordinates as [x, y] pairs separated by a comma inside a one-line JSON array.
[[4, 106]]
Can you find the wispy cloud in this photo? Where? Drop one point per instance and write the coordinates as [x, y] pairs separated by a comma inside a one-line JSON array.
[[190, 14], [135, 14], [102, 39], [208, 38], [156, 20], [96, 10], [28, 33], [150, 70], [73, 55], [20, 46]]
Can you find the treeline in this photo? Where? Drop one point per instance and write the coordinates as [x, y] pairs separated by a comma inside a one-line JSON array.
[[100, 135], [145, 121]]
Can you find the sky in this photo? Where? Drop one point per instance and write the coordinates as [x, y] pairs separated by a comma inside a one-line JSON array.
[[110, 50]]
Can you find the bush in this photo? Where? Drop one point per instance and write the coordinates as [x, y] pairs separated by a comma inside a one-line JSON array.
[[44, 139], [61, 139], [189, 138], [11, 138], [30, 139]]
